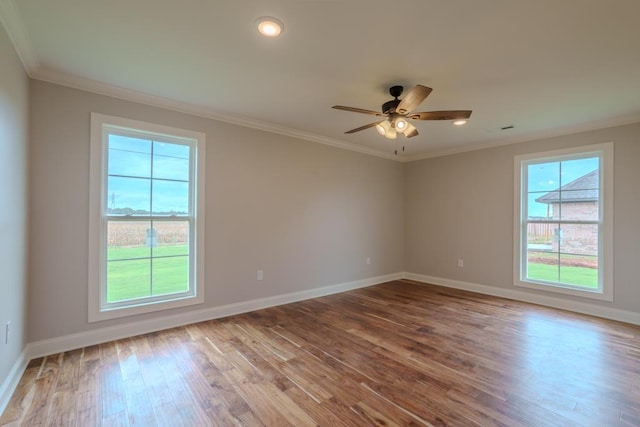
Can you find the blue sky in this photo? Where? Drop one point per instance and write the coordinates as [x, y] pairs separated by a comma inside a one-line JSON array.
[[133, 161]]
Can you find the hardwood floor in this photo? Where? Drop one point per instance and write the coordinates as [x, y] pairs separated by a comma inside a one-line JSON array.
[[392, 354]]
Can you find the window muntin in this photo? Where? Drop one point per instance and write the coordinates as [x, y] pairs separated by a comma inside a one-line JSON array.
[[146, 242], [563, 221]]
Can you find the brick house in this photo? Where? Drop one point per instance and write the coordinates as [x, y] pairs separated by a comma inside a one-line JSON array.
[[577, 200]]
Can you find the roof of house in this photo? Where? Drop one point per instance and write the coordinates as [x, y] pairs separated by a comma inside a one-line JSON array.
[[583, 189]]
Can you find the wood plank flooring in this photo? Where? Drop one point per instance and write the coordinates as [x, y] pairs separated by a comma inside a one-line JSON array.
[[393, 354]]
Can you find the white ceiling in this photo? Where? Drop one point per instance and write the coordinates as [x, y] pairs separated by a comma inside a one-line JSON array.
[[547, 67]]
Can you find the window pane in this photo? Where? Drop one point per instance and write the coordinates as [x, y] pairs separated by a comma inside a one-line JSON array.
[[128, 279], [542, 252], [180, 151], [540, 205], [170, 197], [543, 176], [579, 239], [579, 255], [540, 237], [128, 196], [579, 270], [170, 275], [129, 239], [575, 171], [172, 238], [580, 211], [542, 265], [171, 161], [127, 163], [130, 144]]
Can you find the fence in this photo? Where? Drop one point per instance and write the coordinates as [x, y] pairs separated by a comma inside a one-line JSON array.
[[540, 231]]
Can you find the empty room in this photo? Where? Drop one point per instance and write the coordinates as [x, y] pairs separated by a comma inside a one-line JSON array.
[[319, 212]]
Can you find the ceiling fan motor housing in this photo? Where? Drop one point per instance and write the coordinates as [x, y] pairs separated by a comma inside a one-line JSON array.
[[390, 106], [396, 91]]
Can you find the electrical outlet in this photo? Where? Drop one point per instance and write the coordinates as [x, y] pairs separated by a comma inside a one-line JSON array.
[[7, 332], [460, 263], [368, 260], [260, 275]]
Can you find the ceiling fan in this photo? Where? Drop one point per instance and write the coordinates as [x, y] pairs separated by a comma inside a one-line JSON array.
[[397, 111]]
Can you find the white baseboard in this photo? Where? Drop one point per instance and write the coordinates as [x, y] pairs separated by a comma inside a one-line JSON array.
[[546, 300], [10, 383], [97, 336]]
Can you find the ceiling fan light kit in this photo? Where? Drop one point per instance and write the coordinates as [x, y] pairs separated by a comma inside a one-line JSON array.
[[385, 129], [397, 111]]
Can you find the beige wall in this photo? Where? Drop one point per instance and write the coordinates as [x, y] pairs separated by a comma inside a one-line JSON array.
[[305, 213], [461, 206], [13, 203]]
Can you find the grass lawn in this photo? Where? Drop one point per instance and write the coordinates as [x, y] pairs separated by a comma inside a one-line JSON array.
[[130, 278], [580, 276]]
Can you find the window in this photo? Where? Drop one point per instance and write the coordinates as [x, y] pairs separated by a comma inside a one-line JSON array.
[[146, 243], [564, 221]]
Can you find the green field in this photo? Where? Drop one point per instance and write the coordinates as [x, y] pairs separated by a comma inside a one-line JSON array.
[[130, 278], [580, 276]]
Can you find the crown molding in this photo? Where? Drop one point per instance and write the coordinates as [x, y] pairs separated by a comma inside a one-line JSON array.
[[12, 22], [105, 89], [529, 137], [100, 88]]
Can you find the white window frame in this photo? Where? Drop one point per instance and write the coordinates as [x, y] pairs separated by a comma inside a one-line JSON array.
[[605, 224], [99, 308]]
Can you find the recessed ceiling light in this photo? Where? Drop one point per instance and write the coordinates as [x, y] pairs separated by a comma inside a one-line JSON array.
[[459, 122], [269, 26]]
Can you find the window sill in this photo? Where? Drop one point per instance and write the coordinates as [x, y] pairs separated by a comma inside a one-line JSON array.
[[149, 307], [605, 295]]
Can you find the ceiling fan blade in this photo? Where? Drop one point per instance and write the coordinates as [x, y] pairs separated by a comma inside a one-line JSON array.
[[370, 125], [413, 99], [411, 131], [357, 110], [441, 115]]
